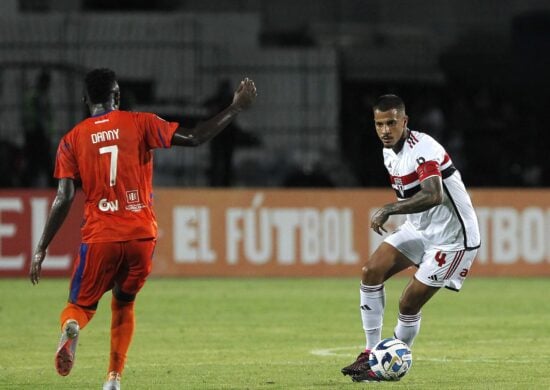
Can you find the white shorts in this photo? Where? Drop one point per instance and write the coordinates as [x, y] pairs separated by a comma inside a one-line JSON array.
[[436, 267]]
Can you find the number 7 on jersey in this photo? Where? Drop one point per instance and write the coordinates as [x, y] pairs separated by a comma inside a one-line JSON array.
[[113, 149]]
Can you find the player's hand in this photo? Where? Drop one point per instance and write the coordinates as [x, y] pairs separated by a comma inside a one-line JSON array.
[[245, 94], [36, 265], [378, 220]]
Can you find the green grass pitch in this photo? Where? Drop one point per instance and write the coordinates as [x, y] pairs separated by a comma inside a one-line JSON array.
[[280, 334]]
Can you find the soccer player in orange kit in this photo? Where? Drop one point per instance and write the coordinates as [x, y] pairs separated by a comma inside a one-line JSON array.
[[111, 154]]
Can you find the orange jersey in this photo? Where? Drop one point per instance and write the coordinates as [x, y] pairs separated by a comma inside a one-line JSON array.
[[112, 155]]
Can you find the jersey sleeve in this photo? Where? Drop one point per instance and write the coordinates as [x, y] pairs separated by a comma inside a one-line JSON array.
[[157, 132], [66, 165], [428, 156]]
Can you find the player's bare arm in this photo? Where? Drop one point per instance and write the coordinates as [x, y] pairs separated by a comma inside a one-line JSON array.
[[430, 195], [60, 208], [204, 131]]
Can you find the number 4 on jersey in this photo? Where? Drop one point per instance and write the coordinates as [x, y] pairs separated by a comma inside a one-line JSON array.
[[113, 149]]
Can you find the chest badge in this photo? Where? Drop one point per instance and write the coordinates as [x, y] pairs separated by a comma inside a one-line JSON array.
[[399, 186]]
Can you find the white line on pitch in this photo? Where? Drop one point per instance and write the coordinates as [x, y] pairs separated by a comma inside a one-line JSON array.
[[335, 352]]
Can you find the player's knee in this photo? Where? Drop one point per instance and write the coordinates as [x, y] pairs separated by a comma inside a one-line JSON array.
[[371, 274], [366, 271]]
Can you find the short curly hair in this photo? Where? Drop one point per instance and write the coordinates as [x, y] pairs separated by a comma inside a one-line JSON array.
[[99, 84]]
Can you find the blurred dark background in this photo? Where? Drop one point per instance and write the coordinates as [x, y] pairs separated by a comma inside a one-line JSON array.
[[474, 74]]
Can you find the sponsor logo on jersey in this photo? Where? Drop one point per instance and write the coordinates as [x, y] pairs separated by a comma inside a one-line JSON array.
[[135, 207], [108, 205], [399, 185], [132, 196]]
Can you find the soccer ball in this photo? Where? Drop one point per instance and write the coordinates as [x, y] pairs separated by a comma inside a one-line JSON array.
[[390, 359]]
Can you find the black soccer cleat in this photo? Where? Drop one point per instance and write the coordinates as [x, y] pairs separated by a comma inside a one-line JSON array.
[[366, 375], [360, 365]]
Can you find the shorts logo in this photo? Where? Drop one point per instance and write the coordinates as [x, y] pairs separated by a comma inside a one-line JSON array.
[[108, 205], [433, 277], [132, 196]]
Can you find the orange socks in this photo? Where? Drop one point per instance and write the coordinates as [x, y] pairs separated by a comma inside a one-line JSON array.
[[122, 330], [75, 312]]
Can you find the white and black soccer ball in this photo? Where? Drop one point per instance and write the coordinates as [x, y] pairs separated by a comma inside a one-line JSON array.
[[390, 359]]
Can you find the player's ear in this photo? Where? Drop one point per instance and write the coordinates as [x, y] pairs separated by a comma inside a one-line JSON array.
[[117, 98]]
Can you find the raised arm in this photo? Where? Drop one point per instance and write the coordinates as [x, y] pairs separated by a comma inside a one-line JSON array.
[[430, 195], [60, 208], [204, 131]]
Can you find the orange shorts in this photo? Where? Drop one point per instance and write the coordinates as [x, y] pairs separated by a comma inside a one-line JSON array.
[[101, 266]]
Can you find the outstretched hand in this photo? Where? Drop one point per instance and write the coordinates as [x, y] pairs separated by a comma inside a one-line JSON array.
[[36, 266], [245, 94]]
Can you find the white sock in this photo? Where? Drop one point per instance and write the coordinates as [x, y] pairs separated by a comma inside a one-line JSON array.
[[407, 327], [373, 300]]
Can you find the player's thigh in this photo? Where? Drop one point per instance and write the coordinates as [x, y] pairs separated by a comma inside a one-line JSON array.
[[383, 263], [441, 268], [94, 271], [137, 265], [409, 242], [400, 250]]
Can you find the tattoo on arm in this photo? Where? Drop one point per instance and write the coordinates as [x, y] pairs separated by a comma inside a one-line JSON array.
[[430, 195]]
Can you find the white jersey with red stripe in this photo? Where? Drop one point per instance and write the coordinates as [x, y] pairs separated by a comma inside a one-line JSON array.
[[453, 224]]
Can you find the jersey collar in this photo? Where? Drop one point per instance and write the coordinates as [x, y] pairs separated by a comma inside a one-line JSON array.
[[101, 114]]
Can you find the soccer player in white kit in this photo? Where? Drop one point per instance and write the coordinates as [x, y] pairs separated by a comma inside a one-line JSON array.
[[440, 235]]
